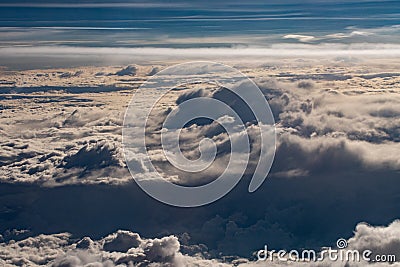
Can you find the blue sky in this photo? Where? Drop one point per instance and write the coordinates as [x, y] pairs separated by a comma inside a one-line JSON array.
[[196, 23]]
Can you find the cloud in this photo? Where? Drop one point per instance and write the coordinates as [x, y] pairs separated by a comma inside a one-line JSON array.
[[37, 250], [380, 240], [301, 38], [122, 248], [121, 241], [125, 248], [153, 71], [70, 75], [123, 55], [337, 159], [81, 144], [92, 156], [129, 70], [318, 132]]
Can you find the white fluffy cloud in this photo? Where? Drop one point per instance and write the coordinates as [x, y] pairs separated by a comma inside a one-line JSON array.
[[125, 248], [350, 120], [338, 142]]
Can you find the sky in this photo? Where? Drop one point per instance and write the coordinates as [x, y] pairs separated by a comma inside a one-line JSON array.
[[197, 23], [68, 69]]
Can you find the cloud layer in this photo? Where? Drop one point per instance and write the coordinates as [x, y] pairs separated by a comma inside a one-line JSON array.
[[336, 162], [125, 248]]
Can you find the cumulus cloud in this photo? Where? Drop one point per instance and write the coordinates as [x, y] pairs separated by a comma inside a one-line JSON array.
[[337, 159], [318, 131], [71, 144], [122, 248], [125, 248], [129, 70], [153, 71], [380, 240], [121, 241]]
